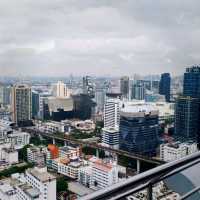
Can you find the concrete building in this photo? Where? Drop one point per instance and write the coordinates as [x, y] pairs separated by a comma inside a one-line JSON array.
[[37, 155], [60, 90], [176, 150], [110, 137], [112, 113], [104, 174], [22, 104], [10, 155], [40, 179]]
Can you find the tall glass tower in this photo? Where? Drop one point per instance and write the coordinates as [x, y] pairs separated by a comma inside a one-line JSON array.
[[165, 84]]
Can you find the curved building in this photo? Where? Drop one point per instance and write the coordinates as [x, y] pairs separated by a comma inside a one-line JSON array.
[[138, 128]]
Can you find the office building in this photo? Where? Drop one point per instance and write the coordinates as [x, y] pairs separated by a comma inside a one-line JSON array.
[[165, 85], [60, 90], [112, 113], [88, 86], [187, 118], [5, 95], [138, 129], [138, 91], [124, 87], [176, 150], [191, 83], [100, 95], [35, 104], [110, 137], [21, 105]]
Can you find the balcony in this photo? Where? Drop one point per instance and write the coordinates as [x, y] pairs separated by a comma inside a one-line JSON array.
[[185, 170]]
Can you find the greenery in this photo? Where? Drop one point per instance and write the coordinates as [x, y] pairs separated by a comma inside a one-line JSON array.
[[76, 134], [92, 151], [61, 185], [23, 153], [37, 141], [15, 169]]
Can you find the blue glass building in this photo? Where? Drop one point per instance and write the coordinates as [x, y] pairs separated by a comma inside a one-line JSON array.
[[165, 84], [139, 129], [186, 118], [191, 84]]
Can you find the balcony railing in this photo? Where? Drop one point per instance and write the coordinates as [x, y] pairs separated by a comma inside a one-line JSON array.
[[146, 181]]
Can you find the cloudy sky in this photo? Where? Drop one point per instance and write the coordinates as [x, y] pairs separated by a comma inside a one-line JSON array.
[[98, 37]]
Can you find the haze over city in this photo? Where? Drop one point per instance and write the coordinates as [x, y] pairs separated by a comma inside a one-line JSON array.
[[56, 38]]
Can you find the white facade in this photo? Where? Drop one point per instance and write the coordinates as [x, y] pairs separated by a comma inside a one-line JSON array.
[[60, 90], [36, 155], [174, 151], [110, 137], [40, 179], [9, 155], [103, 174], [85, 176], [112, 113]]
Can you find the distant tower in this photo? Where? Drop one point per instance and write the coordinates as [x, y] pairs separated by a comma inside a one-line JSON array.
[[60, 90], [124, 87], [88, 86], [165, 84], [21, 104]]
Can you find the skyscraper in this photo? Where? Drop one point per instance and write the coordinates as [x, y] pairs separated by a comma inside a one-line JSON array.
[[191, 84], [88, 86], [165, 84], [21, 104], [138, 91], [111, 113], [138, 129], [124, 87], [35, 104], [186, 118], [60, 90], [187, 108]]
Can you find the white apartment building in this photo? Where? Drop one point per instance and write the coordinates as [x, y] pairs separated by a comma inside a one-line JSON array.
[[40, 179], [176, 150], [69, 152], [71, 170], [85, 176], [60, 90], [9, 155], [112, 113], [37, 155], [104, 174], [7, 192], [110, 137]]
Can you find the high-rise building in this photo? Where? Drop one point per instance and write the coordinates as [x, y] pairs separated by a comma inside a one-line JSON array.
[[186, 118], [138, 129], [21, 104], [88, 86], [100, 94], [191, 84], [124, 87], [165, 85], [60, 90], [35, 104], [5, 95], [111, 113], [138, 91]]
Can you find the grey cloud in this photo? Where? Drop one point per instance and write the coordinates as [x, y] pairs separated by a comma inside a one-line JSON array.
[[56, 37]]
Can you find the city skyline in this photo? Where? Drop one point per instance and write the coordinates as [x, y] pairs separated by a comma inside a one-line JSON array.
[[53, 38]]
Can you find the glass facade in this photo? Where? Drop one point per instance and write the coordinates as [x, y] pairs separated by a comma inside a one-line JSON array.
[[139, 134], [164, 87]]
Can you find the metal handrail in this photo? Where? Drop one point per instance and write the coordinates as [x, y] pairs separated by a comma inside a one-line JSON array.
[[156, 174]]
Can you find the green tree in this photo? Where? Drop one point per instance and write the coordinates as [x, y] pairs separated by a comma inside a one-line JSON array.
[[23, 153], [61, 185]]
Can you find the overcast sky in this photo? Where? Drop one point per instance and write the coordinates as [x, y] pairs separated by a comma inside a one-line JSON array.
[[98, 37]]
